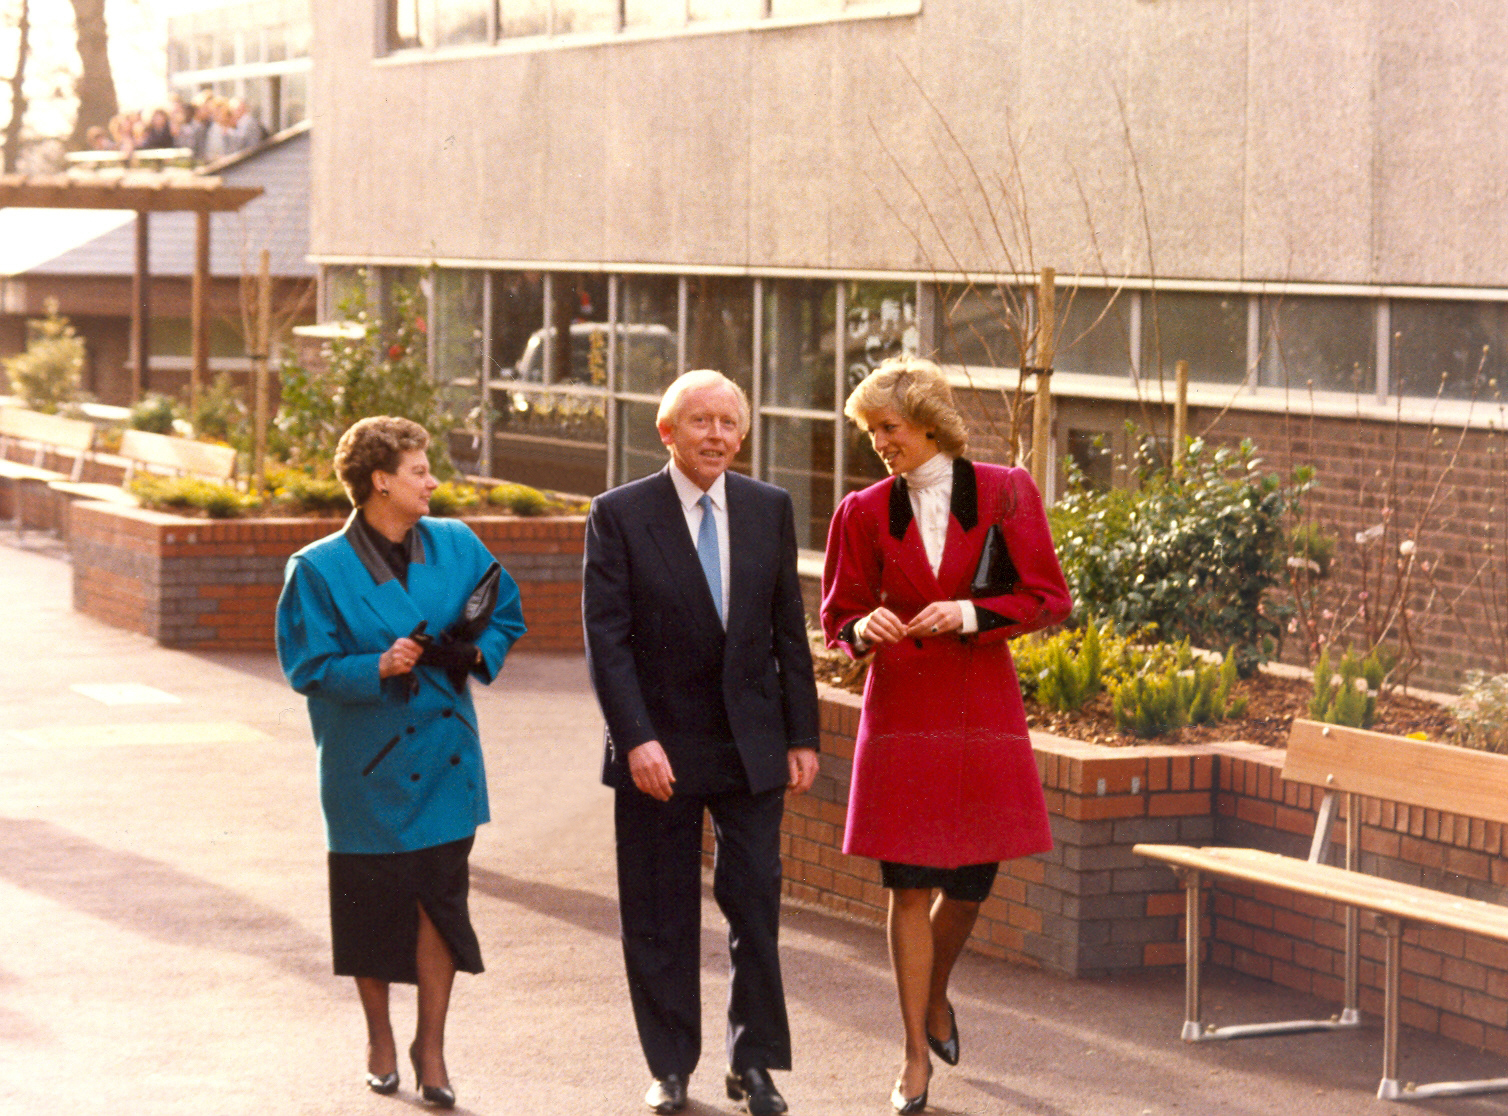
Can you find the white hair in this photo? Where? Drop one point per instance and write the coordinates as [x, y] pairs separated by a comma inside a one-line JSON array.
[[695, 380]]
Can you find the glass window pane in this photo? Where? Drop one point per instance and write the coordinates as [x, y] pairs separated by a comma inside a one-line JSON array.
[[1091, 451], [1326, 342], [798, 456], [457, 324], [1093, 334], [976, 325], [345, 292], [863, 466], [648, 315], [1459, 349], [517, 18], [578, 16], [640, 451], [723, 9], [277, 44], [720, 326], [881, 324], [654, 13], [461, 21], [295, 98], [407, 24], [1207, 330], [798, 343], [578, 315]]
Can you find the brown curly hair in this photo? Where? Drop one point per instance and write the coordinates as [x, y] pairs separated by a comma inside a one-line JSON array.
[[374, 443]]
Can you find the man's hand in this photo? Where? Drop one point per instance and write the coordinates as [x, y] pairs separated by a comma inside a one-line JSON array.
[[803, 765], [650, 767]]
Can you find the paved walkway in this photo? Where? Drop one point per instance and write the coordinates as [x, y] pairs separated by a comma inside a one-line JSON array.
[[164, 946]]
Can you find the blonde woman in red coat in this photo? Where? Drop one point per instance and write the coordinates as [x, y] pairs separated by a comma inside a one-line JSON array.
[[945, 785]]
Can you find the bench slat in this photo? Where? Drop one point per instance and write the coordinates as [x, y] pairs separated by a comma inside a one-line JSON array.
[[178, 455], [1354, 889], [69, 436], [1396, 769]]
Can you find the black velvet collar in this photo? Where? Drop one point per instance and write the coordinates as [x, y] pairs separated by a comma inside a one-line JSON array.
[[964, 505], [369, 546]]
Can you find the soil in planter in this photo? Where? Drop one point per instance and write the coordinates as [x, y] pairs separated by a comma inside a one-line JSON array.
[[1272, 704]]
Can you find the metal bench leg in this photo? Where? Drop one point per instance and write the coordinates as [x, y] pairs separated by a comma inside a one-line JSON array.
[[1191, 941], [1350, 1012]]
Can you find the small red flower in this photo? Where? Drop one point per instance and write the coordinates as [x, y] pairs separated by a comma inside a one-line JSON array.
[[394, 351], [419, 325]]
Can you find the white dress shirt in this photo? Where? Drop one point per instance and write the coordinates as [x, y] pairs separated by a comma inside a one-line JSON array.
[[930, 489], [687, 491]]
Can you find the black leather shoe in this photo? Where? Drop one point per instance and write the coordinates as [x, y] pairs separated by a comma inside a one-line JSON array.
[[387, 1084], [666, 1094], [755, 1086], [436, 1096], [946, 1049]]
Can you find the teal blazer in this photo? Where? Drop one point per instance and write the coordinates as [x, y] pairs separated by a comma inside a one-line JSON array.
[[397, 772]]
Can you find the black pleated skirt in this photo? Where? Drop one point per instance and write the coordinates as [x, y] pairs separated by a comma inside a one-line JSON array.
[[374, 910]]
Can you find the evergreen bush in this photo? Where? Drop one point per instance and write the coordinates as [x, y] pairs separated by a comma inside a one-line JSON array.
[[47, 375]]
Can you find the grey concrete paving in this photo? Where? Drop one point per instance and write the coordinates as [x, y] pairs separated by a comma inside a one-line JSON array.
[[164, 945]]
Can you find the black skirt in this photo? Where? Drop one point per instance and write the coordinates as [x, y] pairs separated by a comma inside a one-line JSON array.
[[374, 910], [969, 884]]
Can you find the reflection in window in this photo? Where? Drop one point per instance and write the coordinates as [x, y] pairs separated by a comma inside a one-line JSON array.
[[462, 21], [518, 18], [720, 326], [1207, 330], [975, 325], [1093, 332], [654, 13], [881, 324], [1323, 342], [345, 292], [648, 315], [863, 466], [577, 16], [798, 456], [456, 319], [798, 343], [573, 347], [1459, 349], [640, 451], [408, 24]]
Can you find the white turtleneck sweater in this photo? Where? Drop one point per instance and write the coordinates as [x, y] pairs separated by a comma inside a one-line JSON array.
[[930, 488]]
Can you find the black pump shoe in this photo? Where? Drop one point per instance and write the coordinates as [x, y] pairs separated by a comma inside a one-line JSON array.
[[909, 1106], [387, 1084], [755, 1086], [946, 1049], [437, 1096]]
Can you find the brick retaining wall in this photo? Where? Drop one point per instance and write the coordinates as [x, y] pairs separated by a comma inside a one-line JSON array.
[[213, 584], [1091, 906]]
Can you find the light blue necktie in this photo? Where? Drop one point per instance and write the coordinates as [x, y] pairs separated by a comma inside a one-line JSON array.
[[706, 550]]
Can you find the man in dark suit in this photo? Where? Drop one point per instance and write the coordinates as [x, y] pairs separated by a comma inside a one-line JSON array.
[[696, 642]]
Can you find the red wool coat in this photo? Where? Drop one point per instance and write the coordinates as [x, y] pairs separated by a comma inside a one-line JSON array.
[[943, 772]]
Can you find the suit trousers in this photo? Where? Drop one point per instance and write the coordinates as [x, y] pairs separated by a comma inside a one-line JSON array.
[[660, 905]]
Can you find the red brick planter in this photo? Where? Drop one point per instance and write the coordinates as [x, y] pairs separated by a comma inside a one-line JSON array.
[[213, 584]]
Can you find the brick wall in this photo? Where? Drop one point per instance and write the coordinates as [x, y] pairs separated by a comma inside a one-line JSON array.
[[1092, 906], [213, 584]]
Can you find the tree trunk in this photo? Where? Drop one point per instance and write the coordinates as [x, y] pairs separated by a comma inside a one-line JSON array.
[[96, 84], [12, 146]]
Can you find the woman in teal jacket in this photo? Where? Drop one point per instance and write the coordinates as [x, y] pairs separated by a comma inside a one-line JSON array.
[[366, 631]]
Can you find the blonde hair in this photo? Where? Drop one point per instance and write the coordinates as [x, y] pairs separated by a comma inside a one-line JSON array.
[[695, 380], [918, 391], [374, 443]]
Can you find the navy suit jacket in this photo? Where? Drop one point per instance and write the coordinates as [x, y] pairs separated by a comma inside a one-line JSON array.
[[660, 661]]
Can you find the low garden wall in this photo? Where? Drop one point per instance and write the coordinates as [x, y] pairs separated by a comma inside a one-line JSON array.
[[1091, 906], [213, 584]]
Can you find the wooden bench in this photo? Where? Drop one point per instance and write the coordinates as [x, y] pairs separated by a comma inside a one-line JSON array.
[[155, 453], [1354, 763], [32, 433]]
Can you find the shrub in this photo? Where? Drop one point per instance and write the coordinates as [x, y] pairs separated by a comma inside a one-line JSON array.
[[223, 415], [384, 371], [1351, 698], [46, 376], [1191, 552], [451, 498], [1187, 691], [519, 499], [305, 491], [1313, 548], [154, 413], [1482, 712], [218, 501]]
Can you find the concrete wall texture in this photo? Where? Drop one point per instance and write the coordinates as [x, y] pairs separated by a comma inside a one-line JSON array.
[[1271, 140]]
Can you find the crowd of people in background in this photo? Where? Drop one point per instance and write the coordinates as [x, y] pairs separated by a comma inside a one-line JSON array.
[[209, 126]]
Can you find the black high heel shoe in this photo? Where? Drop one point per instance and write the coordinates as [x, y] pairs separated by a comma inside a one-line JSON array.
[[387, 1084], [439, 1096], [946, 1049], [909, 1106]]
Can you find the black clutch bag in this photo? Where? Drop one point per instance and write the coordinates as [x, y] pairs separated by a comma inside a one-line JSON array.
[[996, 574]]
